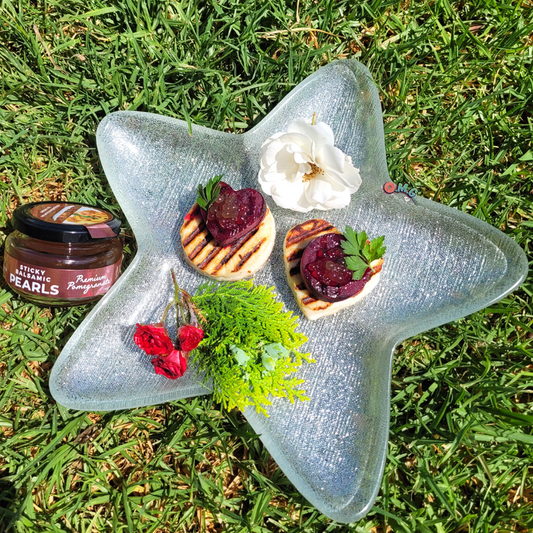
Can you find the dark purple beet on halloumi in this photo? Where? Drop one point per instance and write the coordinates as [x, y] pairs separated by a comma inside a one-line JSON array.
[[234, 214], [324, 270]]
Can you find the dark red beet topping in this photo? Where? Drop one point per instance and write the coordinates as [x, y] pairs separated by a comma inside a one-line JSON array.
[[234, 214], [324, 270]]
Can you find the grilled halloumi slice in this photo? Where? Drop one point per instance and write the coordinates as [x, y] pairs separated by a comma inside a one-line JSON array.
[[227, 263], [294, 245]]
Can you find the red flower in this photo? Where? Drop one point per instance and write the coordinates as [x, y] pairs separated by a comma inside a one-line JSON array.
[[172, 365], [153, 339], [190, 337]]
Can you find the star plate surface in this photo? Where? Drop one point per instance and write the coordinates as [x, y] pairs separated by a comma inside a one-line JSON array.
[[440, 265]]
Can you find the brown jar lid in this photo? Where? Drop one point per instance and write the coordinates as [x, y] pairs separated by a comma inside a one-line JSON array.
[[65, 222]]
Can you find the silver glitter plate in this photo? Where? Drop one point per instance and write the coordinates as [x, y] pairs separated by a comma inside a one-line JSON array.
[[440, 265]]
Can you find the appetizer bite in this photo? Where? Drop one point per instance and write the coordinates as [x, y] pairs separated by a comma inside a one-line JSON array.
[[328, 271], [227, 235]]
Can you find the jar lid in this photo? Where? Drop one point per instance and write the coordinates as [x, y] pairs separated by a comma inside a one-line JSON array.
[[65, 222]]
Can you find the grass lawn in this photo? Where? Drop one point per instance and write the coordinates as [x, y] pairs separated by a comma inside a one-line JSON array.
[[456, 83]]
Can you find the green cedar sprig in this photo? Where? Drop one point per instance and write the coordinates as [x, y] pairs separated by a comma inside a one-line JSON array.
[[208, 194], [250, 347], [359, 252]]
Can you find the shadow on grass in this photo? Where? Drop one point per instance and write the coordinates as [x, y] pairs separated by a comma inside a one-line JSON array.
[[8, 505]]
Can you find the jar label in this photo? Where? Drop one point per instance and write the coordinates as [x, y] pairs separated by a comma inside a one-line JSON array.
[[65, 213], [94, 219], [58, 283]]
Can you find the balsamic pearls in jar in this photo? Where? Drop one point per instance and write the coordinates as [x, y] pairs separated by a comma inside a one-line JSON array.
[[62, 253]]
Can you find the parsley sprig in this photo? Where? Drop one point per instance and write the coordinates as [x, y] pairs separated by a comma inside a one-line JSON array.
[[359, 252], [208, 194]]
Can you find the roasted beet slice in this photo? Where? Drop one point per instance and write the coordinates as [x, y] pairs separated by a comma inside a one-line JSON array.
[[234, 214], [324, 270]]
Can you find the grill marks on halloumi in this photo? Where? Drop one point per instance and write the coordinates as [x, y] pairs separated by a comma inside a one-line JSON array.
[[228, 263], [296, 241]]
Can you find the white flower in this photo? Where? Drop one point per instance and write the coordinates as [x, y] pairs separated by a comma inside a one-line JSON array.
[[302, 170]]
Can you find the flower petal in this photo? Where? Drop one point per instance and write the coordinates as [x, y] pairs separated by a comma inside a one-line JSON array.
[[298, 141], [318, 192], [282, 166], [272, 138], [350, 178], [303, 158], [171, 366], [269, 151], [330, 157], [290, 196], [337, 202], [284, 163], [320, 133], [325, 194]]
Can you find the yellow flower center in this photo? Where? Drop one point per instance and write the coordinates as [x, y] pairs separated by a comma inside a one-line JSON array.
[[315, 171]]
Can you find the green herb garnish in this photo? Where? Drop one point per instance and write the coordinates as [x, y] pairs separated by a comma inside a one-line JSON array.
[[250, 347], [359, 252], [208, 194]]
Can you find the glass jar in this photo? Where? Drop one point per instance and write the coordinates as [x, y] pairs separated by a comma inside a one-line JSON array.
[[62, 253]]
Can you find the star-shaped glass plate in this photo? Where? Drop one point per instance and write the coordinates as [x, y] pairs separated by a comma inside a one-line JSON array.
[[440, 265]]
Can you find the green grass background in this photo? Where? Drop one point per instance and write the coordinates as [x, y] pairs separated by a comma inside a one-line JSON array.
[[456, 83]]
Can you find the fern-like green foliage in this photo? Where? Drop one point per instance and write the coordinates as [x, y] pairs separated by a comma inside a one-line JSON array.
[[241, 349]]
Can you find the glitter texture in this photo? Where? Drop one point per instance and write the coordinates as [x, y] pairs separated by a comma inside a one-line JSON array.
[[440, 265]]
